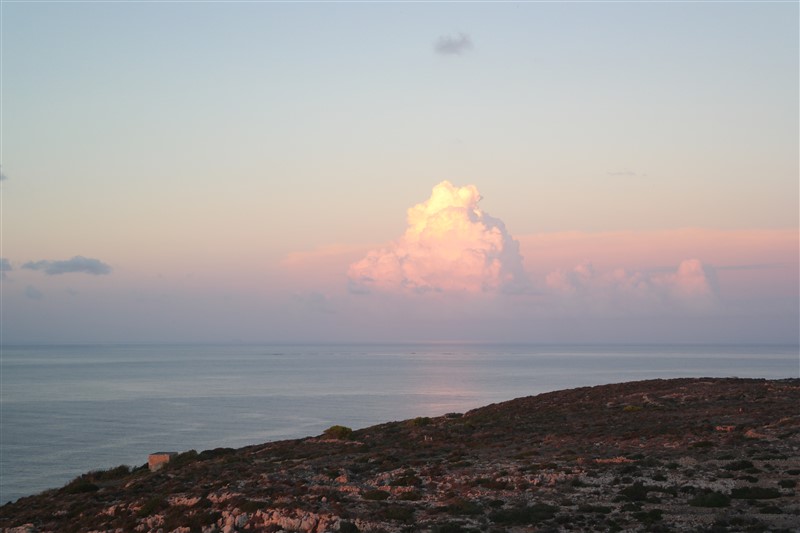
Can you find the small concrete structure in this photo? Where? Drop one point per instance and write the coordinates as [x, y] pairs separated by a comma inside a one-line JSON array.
[[156, 460]]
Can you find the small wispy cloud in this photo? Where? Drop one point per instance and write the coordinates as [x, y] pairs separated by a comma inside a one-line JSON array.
[[5, 266], [33, 293], [77, 264], [315, 302], [453, 45]]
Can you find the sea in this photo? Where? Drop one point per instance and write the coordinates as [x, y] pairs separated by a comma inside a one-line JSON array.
[[66, 410]]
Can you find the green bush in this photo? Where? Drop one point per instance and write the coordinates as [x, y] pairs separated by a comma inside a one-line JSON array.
[[338, 432]]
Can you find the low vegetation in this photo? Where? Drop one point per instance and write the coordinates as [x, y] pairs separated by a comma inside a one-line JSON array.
[[696, 455], [338, 432]]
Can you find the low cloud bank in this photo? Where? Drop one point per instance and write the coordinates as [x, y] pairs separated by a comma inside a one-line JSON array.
[[691, 285]]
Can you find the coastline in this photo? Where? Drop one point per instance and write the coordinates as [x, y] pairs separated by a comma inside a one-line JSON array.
[[678, 453]]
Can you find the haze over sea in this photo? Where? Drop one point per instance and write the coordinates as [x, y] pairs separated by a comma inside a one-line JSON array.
[[70, 409]]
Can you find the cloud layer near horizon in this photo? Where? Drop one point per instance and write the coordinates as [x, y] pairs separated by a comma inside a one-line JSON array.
[[85, 265], [692, 286], [450, 245]]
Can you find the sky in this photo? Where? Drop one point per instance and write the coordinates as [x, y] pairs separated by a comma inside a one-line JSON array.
[[615, 172]]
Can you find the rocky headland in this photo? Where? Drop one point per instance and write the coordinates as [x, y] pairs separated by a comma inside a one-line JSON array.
[[660, 455]]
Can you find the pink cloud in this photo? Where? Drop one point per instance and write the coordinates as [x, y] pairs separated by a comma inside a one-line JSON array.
[[660, 249], [450, 244], [690, 286], [691, 280]]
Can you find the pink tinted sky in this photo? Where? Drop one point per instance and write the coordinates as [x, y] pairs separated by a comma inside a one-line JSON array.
[[244, 172]]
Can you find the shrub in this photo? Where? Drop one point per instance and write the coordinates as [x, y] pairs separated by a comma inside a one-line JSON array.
[[635, 493], [787, 483], [117, 472], [710, 499], [338, 432], [755, 493], [739, 465], [182, 459], [632, 408], [448, 527], [601, 509], [153, 506], [216, 452], [375, 495], [421, 421], [531, 514], [80, 485], [460, 506], [494, 484], [348, 527], [409, 480], [400, 513], [648, 517]]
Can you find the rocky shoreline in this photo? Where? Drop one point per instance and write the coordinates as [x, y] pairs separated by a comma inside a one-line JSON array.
[[660, 455]]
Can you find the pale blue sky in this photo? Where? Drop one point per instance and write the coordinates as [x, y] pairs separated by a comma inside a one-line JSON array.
[[216, 138]]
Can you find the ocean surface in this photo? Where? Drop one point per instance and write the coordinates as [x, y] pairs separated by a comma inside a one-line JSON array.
[[65, 410]]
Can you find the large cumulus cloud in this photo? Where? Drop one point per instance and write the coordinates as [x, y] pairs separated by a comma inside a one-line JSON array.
[[450, 245]]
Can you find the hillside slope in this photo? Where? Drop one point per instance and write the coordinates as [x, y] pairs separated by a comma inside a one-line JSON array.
[[660, 455]]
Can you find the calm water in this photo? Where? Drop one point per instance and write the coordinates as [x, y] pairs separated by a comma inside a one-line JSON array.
[[69, 409]]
